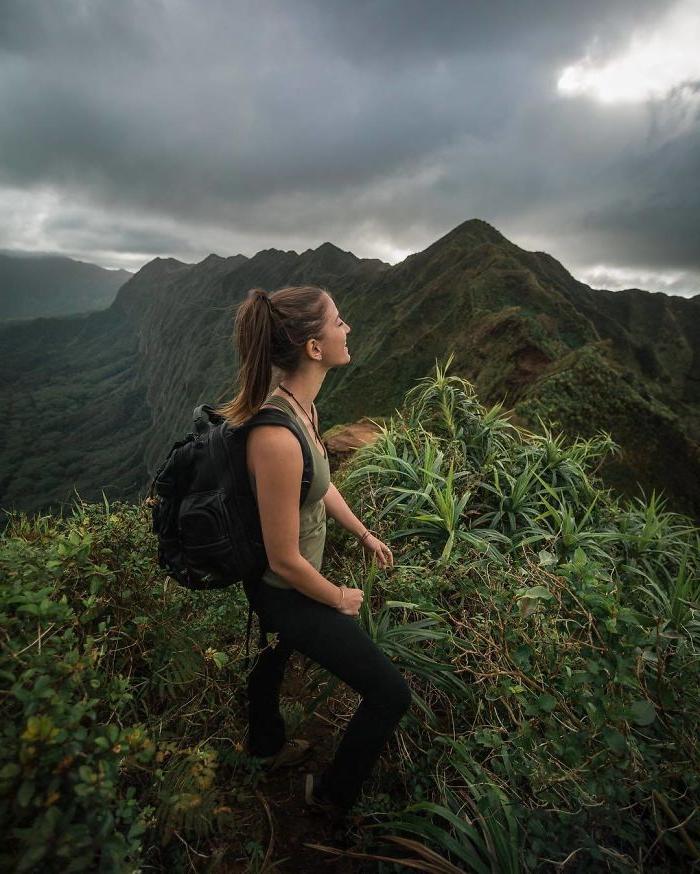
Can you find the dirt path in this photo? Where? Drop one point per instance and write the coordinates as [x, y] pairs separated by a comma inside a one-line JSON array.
[[292, 824]]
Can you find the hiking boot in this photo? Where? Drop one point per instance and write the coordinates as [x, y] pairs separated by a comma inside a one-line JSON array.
[[316, 798], [292, 752]]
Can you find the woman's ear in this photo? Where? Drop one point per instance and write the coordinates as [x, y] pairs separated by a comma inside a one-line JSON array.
[[314, 349]]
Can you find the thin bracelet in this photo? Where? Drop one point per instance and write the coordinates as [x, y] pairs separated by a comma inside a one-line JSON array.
[[367, 531], [342, 597]]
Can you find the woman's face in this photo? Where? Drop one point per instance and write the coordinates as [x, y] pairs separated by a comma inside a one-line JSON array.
[[335, 350]]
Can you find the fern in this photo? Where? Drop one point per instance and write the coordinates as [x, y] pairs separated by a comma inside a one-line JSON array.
[[188, 799]]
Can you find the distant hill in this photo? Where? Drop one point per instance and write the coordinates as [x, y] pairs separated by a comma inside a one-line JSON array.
[[51, 285], [100, 399]]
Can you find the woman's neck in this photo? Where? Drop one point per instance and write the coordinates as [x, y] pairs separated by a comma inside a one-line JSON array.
[[303, 391]]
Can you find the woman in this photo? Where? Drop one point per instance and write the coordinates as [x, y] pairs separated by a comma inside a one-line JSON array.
[[300, 332]]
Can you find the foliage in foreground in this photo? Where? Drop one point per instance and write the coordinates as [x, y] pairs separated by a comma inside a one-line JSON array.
[[574, 623], [114, 692], [550, 635]]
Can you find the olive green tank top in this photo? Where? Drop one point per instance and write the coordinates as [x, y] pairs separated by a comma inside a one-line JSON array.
[[312, 513]]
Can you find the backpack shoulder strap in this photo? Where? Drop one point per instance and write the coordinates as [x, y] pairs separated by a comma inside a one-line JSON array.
[[272, 416]]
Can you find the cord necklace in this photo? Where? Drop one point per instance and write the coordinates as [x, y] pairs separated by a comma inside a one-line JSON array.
[[308, 417]]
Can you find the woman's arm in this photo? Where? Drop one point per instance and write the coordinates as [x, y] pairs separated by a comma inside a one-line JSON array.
[[337, 508], [275, 457]]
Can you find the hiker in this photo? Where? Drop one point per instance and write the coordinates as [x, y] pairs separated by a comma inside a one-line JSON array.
[[299, 331]]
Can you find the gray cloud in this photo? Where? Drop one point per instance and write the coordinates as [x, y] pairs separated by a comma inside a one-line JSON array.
[[387, 32], [71, 227], [180, 128]]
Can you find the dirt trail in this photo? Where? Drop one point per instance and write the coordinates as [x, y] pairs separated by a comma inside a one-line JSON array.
[[293, 824]]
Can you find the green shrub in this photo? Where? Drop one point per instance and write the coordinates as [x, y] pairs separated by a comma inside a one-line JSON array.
[[114, 681], [63, 744]]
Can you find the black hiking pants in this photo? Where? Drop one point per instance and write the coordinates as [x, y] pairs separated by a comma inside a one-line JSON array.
[[338, 643]]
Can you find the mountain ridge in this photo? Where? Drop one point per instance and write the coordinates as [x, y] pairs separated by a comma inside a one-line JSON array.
[[46, 285], [523, 331]]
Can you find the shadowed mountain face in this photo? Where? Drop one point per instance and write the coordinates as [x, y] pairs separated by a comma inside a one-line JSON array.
[[50, 285], [97, 401]]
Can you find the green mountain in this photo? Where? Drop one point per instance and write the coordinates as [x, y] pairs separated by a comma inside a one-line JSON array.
[[96, 401], [51, 285]]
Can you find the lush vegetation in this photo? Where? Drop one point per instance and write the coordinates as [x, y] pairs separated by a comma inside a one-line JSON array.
[[549, 631]]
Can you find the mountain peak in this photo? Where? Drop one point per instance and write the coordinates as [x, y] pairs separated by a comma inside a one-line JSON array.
[[271, 250], [331, 248], [474, 231], [330, 259], [164, 265], [328, 250]]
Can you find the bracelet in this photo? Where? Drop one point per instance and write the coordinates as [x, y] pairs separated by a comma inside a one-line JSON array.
[[342, 597], [365, 535]]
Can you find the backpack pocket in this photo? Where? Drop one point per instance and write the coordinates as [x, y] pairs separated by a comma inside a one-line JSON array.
[[203, 518], [205, 535]]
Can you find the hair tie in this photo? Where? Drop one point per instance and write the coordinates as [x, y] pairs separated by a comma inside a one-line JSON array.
[[259, 293]]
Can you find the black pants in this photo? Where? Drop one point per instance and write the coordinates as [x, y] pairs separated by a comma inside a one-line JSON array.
[[338, 643]]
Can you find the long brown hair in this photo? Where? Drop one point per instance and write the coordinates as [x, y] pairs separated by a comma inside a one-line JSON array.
[[271, 330]]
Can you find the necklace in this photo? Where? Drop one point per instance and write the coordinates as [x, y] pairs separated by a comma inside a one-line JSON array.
[[308, 417]]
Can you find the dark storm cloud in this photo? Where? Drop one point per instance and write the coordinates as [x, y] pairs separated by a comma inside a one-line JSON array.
[[70, 227], [176, 128], [384, 32], [660, 225]]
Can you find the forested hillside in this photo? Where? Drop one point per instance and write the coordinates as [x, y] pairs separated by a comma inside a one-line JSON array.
[[52, 285]]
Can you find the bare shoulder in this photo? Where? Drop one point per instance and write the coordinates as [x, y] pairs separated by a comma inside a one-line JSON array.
[[274, 447], [276, 436]]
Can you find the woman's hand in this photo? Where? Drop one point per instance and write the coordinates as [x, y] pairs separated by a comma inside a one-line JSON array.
[[352, 601], [374, 547]]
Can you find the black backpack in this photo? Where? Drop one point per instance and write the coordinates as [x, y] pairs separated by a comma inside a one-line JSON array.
[[204, 512]]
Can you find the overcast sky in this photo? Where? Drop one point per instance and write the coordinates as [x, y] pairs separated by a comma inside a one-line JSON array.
[[137, 128]]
